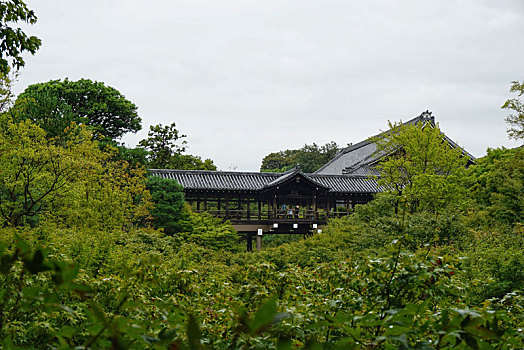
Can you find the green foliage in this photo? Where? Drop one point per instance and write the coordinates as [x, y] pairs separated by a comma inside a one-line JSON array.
[[102, 107], [143, 300], [516, 121], [34, 172], [136, 157], [52, 114], [421, 169], [497, 184], [164, 152], [13, 40], [168, 198], [310, 158], [69, 184], [162, 145], [6, 94], [191, 162], [208, 231], [496, 263]]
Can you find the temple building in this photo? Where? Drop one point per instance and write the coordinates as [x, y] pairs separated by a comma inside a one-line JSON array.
[[294, 202]]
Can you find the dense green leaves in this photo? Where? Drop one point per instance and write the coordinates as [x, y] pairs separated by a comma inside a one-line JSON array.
[[421, 169], [403, 300], [102, 107], [51, 113], [13, 41], [165, 149], [162, 144], [497, 182], [310, 158], [168, 197]]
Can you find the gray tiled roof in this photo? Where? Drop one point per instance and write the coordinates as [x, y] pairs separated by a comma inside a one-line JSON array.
[[347, 183], [360, 158], [217, 180], [348, 157], [255, 181]]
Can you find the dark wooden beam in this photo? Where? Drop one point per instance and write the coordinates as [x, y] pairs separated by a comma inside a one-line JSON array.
[[249, 243]]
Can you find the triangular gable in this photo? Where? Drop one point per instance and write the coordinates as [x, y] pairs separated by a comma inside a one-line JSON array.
[[292, 176]]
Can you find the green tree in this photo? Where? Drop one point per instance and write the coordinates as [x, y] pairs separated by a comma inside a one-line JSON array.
[[421, 169], [165, 150], [13, 40], [52, 114], [136, 157], [72, 183], [191, 162], [279, 161], [497, 185], [516, 120], [309, 157], [101, 107], [162, 143], [35, 172], [312, 157], [168, 198]]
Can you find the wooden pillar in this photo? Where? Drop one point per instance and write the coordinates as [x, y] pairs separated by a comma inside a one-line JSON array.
[[198, 203], [227, 208], [315, 211], [259, 210], [218, 207], [259, 243], [249, 243], [248, 209], [275, 207], [327, 207], [205, 203]]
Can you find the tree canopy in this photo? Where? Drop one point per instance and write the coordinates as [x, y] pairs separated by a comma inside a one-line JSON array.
[[13, 41], [309, 157], [168, 197], [420, 168], [497, 184], [165, 147], [102, 107], [73, 182]]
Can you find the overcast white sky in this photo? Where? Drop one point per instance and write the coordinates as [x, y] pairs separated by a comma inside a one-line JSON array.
[[243, 78]]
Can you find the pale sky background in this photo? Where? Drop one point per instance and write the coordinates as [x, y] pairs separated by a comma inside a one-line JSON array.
[[243, 78]]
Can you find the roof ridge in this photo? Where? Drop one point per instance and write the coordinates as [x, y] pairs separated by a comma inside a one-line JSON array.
[[424, 116], [339, 175], [216, 171]]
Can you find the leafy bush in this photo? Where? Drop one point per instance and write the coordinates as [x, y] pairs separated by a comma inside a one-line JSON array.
[[497, 184]]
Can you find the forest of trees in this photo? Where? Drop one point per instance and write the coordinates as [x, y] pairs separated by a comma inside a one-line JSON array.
[[94, 254], [310, 158]]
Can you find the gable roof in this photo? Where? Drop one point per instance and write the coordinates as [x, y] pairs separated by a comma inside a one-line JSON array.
[[291, 174], [360, 158]]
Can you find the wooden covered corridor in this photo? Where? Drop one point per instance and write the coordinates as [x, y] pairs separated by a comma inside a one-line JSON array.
[[272, 203]]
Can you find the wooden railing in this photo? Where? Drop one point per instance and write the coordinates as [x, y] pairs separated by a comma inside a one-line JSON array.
[[281, 215]]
